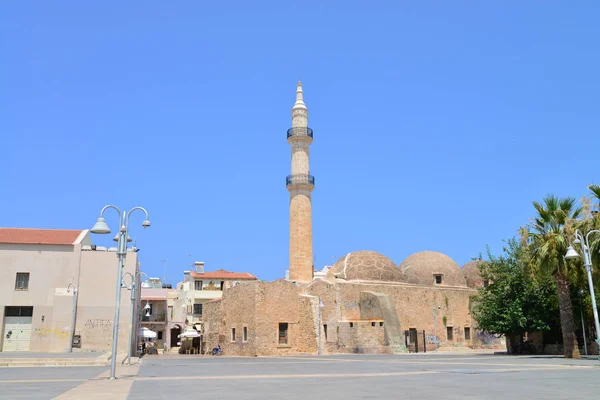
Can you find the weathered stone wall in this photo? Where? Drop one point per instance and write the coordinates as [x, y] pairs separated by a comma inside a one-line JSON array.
[[211, 316], [380, 314]]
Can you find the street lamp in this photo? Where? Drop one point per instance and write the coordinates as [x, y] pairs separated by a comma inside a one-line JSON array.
[[587, 262], [102, 228], [580, 293], [73, 311]]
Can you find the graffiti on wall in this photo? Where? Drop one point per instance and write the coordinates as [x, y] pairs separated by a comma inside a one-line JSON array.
[[41, 333], [96, 329]]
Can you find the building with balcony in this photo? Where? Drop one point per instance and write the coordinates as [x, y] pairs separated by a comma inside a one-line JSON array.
[[199, 287]]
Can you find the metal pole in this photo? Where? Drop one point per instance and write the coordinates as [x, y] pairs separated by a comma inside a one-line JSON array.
[[73, 319], [132, 323], [121, 254], [588, 268], [583, 325]]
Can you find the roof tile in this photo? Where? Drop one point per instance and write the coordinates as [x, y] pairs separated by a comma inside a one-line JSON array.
[[38, 236]]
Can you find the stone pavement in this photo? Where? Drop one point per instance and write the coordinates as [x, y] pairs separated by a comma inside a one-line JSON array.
[[414, 376]]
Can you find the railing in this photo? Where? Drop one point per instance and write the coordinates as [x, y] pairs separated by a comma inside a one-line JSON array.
[[299, 179], [300, 131]]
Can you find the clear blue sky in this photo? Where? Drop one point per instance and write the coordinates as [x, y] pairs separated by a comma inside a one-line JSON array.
[[436, 123]]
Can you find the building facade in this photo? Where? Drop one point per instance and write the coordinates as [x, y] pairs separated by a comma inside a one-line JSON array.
[[39, 270], [197, 289]]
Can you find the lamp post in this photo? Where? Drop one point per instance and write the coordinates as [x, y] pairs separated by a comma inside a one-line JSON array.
[[587, 262], [580, 293], [321, 305], [73, 312], [133, 290], [102, 228]]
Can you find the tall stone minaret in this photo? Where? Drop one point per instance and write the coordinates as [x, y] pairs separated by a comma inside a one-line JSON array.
[[300, 185]]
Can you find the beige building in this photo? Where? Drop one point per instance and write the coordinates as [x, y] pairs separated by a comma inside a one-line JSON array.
[[200, 287], [37, 267]]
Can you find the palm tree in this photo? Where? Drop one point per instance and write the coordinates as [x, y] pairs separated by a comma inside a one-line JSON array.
[[549, 241], [594, 223]]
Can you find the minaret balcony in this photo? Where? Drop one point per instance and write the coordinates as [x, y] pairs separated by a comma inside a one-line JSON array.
[[300, 132], [300, 180]]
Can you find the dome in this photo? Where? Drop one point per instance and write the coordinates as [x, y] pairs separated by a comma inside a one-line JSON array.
[[471, 273], [367, 265], [432, 268]]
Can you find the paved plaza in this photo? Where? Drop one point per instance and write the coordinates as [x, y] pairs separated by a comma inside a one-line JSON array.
[[412, 376]]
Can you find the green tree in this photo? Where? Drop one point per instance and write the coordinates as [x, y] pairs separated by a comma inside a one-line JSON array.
[[513, 303], [549, 239]]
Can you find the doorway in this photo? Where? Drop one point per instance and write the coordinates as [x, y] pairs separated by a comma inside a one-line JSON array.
[[175, 331], [17, 328]]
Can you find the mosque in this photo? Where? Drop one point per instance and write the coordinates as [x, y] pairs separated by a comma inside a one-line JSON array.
[[364, 303]]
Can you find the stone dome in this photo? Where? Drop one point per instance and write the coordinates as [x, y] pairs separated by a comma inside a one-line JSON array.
[[367, 265], [432, 268], [471, 273]]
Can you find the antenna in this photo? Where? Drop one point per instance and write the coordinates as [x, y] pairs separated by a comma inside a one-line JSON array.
[[164, 263]]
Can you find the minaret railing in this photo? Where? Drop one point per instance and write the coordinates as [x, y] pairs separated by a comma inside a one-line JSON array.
[[299, 131]]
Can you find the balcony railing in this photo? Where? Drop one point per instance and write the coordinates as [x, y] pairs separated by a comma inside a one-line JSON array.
[[300, 131], [299, 179]]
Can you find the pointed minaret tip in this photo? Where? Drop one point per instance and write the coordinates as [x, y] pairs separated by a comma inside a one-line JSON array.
[[299, 96]]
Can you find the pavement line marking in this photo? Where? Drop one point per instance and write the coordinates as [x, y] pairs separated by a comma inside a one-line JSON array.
[[502, 364], [284, 376], [40, 380]]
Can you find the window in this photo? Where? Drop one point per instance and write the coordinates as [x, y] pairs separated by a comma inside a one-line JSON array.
[[467, 333], [381, 324], [222, 285], [245, 332], [351, 324], [372, 323], [150, 309], [197, 309], [449, 333], [325, 331], [233, 334], [283, 333], [438, 279], [198, 285], [486, 283], [18, 311], [160, 333], [22, 282]]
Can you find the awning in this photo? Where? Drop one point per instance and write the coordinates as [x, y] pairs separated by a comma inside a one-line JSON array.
[[189, 334], [147, 333]]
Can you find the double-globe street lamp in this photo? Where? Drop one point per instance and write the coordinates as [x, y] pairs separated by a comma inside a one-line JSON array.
[[587, 262], [102, 228]]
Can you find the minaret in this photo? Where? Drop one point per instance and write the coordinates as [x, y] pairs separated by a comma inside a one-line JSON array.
[[300, 185]]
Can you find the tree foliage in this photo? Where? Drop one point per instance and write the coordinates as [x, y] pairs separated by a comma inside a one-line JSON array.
[[513, 303]]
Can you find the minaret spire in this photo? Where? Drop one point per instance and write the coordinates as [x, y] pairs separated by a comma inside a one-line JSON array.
[[299, 96], [300, 184]]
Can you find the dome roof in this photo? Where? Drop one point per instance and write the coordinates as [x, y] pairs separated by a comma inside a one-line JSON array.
[[471, 273], [367, 266], [423, 267]]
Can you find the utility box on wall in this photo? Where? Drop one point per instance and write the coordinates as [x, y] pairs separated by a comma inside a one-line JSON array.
[[77, 341]]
